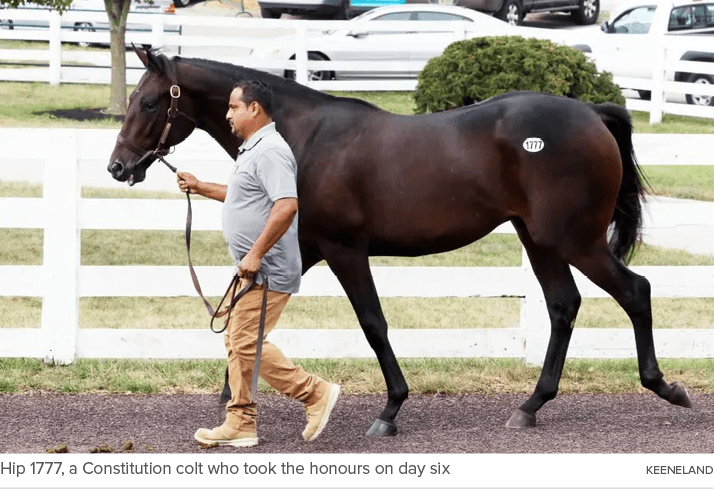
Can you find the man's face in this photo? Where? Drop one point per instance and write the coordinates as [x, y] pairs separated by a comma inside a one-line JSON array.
[[239, 115]]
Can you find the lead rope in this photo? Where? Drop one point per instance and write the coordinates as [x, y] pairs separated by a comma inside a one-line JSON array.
[[232, 287]]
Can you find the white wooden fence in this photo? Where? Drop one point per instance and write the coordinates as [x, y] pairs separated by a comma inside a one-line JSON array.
[[67, 159], [232, 39]]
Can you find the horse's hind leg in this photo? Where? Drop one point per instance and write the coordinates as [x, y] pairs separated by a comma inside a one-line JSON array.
[[632, 292], [351, 266], [563, 301]]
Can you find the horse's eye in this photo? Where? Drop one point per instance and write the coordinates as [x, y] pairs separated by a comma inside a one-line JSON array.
[[149, 105]]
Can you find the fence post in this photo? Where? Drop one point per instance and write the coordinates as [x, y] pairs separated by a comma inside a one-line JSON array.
[[55, 47], [658, 75], [60, 304], [301, 52], [534, 316], [157, 31]]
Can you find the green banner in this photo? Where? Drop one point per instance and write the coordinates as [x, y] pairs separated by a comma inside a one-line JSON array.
[[241, 470]]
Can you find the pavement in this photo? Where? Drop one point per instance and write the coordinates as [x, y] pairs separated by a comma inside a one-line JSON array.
[[680, 224]]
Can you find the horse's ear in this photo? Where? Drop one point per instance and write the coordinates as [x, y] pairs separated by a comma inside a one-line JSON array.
[[148, 59]]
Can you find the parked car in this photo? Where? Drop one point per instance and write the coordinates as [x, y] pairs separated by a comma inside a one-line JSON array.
[[626, 45], [512, 11], [156, 7], [357, 42]]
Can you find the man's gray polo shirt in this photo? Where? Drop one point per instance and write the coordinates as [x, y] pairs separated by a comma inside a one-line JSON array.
[[265, 171]]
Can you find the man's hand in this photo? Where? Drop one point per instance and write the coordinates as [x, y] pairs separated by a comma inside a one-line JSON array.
[[249, 266], [191, 185], [187, 182]]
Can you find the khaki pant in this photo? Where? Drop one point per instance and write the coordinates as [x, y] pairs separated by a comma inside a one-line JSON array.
[[278, 371]]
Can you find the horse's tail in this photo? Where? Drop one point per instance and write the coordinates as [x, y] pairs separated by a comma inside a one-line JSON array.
[[627, 218]]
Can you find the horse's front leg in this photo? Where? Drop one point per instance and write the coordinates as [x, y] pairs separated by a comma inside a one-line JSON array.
[[351, 266]]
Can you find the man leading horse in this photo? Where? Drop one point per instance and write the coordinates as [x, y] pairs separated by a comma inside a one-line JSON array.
[[260, 221]]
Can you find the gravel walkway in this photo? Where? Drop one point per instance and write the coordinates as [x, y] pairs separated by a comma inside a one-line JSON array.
[[32, 423]]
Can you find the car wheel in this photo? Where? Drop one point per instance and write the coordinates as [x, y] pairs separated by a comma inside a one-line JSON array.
[[645, 94], [181, 3], [270, 13], [84, 26], [312, 75], [511, 12], [587, 12], [705, 100]]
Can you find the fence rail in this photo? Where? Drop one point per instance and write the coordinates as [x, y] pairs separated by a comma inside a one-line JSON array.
[[238, 36], [63, 156]]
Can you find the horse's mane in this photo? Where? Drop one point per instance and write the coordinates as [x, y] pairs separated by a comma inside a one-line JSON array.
[[235, 73]]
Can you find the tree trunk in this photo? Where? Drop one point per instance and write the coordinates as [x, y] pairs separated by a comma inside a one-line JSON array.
[[117, 11]]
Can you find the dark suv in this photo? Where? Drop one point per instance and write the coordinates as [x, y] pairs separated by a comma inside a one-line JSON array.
[[512, 11]]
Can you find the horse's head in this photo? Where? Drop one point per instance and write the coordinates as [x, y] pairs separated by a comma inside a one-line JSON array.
[[159, 116]]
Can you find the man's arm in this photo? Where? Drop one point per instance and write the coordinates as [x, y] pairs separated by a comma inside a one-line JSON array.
[[191, 185], [281, 216]]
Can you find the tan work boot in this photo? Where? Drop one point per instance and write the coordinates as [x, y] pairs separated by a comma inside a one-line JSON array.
[[225, 435], [319, 412]]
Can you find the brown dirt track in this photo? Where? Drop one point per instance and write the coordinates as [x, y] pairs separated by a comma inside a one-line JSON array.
[[32, 423]]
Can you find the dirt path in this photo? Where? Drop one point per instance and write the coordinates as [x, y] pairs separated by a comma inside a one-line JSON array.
[[428, 424]]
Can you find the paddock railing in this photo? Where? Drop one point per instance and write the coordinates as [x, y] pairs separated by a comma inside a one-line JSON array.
[[67, 159], [256, 42]]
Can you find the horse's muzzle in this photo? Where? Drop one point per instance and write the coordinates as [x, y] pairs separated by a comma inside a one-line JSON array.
[[116, 168], [119, 172]]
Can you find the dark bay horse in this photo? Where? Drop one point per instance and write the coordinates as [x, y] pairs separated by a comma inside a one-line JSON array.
[[375, 183]]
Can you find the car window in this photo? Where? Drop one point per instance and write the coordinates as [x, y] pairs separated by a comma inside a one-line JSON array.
[[439, 16], [691, 17], [635, 21], [395, 16]]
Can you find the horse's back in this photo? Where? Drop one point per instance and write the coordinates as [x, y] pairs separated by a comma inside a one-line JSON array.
[[448, 179]]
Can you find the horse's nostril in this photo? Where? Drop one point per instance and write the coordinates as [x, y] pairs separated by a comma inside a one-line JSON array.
[[116, 167]]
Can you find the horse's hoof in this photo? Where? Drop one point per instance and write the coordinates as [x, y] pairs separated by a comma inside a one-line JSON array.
[[381, 428], [679, 395], [221, 414], [521, 420]]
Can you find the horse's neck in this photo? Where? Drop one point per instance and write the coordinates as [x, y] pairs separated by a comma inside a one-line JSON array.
[[298, 115], [220, 132]]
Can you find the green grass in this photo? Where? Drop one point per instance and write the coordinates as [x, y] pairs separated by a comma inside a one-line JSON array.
[[672, 123], [425, 376], [686, 181], [24, 104]]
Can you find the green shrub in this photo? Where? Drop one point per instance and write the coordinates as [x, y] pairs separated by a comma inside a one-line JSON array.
[[477, 69]]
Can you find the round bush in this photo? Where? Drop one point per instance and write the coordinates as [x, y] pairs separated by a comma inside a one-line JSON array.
[[477, 69]]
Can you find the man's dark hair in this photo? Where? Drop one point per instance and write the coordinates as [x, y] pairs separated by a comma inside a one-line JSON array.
[[257, 91]]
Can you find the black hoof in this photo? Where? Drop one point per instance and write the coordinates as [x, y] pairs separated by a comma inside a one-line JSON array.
[[521, 420], [221, 413], [381, 428], [679, 395]]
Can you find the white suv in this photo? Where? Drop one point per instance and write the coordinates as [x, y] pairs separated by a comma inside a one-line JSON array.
[[628, 43]]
